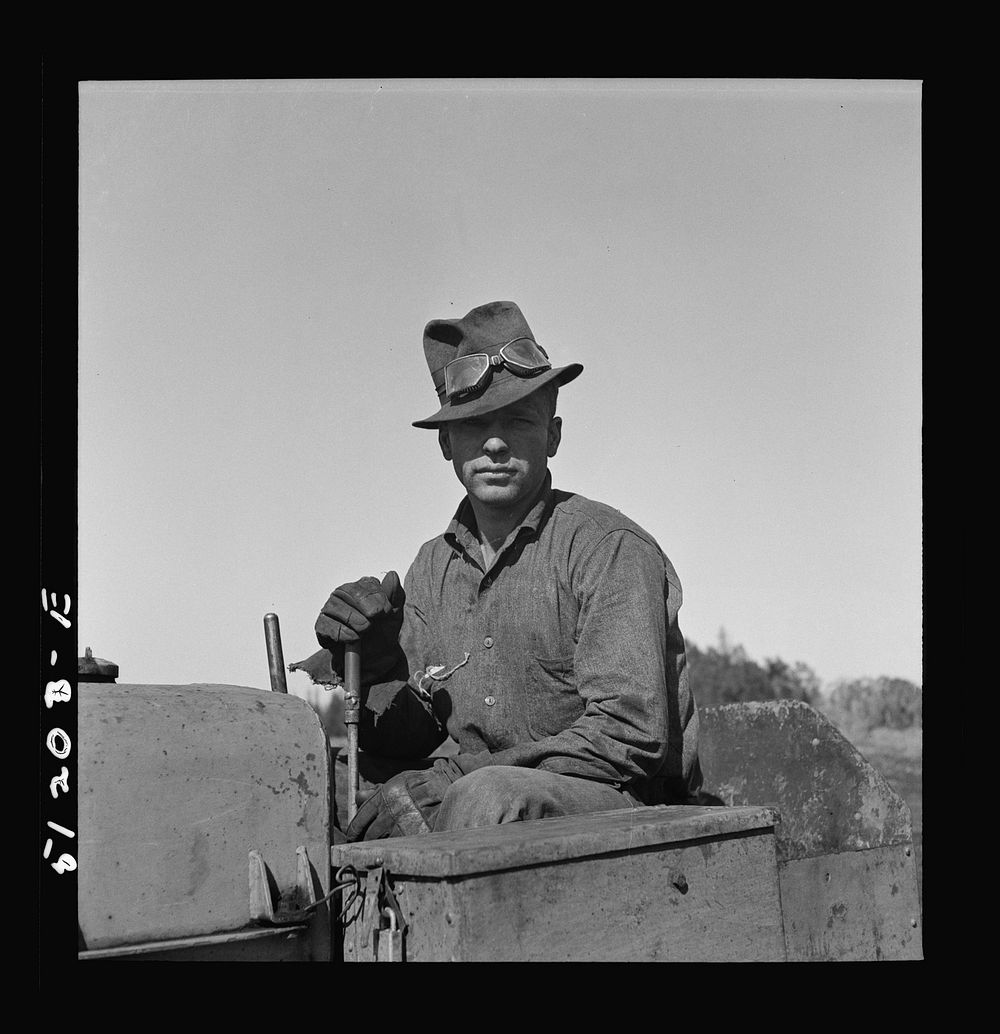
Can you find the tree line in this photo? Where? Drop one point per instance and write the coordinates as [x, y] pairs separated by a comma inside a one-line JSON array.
[[725, 674]]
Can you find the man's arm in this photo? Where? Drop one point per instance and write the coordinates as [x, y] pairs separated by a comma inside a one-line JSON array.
[[397, 721], [628, 666]]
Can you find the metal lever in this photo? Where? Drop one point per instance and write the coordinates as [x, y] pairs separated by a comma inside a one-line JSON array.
[[275, 658], [352, 713]]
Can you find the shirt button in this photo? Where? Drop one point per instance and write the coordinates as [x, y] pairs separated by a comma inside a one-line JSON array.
[[490, 701], [488, 641]]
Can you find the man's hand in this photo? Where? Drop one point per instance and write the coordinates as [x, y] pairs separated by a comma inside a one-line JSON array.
[[368, 612], [405, 805]]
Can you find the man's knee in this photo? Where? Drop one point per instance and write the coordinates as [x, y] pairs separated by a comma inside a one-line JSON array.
[[491, 796], [496, 794]]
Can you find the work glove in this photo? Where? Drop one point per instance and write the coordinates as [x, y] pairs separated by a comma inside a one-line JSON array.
[[405, 805], [367, 612]]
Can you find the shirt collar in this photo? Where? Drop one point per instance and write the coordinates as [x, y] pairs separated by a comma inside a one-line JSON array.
[[461, 532]]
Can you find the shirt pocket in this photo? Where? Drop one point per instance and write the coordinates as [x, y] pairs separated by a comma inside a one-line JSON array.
[[553, 704]]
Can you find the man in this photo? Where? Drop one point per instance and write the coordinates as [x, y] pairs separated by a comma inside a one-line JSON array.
[[540, 630]]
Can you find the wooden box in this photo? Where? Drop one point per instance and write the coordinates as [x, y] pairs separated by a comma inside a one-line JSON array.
[[645, 884]]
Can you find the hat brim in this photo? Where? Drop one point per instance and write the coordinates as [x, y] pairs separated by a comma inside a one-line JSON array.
[[502, 391]]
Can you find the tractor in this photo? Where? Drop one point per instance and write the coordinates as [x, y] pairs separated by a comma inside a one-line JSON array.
[[206, 834]]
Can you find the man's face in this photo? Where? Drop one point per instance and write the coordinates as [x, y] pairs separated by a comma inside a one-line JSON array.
[[501, 457]]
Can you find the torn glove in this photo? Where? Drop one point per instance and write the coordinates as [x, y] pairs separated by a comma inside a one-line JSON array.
[[406, 804], [364, 611]]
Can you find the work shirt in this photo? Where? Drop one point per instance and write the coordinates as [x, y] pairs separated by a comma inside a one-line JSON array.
[[563, 654]]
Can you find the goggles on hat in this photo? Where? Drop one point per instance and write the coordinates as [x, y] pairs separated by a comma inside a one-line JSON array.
[[469, 373]]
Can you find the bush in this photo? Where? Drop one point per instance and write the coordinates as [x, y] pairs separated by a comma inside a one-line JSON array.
[[877, 703], [725, 674]]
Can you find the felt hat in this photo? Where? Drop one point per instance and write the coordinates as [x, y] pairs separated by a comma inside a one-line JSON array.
[[486, 329]]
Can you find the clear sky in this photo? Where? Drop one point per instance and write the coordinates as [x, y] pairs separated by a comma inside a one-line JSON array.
[[736, 263]]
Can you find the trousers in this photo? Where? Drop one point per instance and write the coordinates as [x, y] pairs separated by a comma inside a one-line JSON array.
[[497, 794], [488, 796]]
